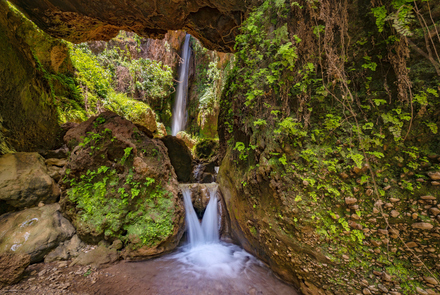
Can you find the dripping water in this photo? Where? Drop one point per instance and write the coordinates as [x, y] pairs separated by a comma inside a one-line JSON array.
[[179, 116]]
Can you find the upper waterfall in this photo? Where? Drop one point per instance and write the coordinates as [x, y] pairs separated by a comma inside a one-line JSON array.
[[179, 110]]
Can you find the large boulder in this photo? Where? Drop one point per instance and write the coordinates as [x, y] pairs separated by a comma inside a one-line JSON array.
[[34, 231], [12, 267], [24, 181], [120, 185], [180, 157]]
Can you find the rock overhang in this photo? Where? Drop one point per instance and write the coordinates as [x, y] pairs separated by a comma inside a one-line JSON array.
[[214, 23]]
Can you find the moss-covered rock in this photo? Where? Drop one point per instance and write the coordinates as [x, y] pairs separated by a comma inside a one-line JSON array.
[[121, 186], [28, 114]]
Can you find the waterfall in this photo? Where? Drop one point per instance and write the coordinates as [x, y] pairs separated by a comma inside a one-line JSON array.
[[179, 116], [207, 232], [205, 254]]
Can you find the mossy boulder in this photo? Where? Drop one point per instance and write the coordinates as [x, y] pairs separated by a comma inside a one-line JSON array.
[[120, 185]]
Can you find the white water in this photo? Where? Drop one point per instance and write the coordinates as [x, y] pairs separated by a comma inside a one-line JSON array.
[[205, 254], [179, 111]]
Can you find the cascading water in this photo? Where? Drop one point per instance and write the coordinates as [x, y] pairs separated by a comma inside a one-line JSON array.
[[205, 253], [205, 265], [179, 118]]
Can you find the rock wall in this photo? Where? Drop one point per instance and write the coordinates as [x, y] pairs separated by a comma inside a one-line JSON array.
[[28, 117], [330, 157]]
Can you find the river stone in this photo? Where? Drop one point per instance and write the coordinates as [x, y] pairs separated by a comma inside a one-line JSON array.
[[180, 157], [24, 181], [12, 267], [34, 231]]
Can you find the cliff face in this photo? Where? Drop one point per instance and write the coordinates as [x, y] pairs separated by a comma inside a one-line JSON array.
[[215, 23], [329, 129]]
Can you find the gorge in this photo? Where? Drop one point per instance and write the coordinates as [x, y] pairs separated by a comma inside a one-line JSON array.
[[317, 119]]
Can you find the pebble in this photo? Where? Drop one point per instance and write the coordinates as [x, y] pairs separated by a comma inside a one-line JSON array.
[[421, 291], [394, 200], [427, 198]]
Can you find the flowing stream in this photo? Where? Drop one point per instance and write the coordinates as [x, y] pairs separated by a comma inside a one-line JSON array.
[[179, 110]]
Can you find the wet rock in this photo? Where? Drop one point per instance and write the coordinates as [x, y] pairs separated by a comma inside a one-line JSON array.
[[180, 157], [34, 231], [24, 181], [12, 267], [422, 225]]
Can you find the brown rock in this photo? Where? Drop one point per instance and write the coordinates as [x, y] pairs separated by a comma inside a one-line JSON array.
[[434, 211], [411, 244], [434, 175], [24, 181], [12, 267], [56, 162], [382, 231], [394, 200], [394, 213], [350, 201], [431, 280], [427, 198], [422, 225], [421, 291]]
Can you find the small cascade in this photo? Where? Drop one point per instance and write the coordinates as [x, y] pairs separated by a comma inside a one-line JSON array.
[[210, 219], [207, 231], [179, 116]]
